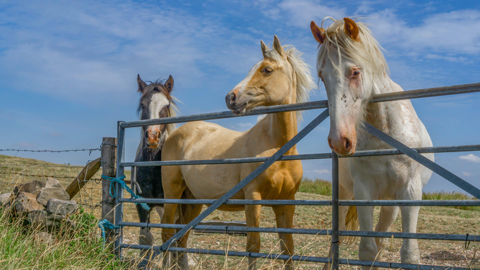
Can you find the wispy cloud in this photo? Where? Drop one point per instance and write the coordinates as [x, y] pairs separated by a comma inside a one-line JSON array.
[[98, 49], [25, 145], [321, 171], [56, 134], [467, 174], [471, 158], [455, 32]]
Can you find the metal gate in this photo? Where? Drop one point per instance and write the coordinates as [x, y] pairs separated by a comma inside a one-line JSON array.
[[399, 148]]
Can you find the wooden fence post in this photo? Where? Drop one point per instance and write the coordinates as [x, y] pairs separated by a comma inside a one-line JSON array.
[[109, 154], [82, 178]]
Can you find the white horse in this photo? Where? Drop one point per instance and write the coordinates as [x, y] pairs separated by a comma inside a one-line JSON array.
[[353, 69]]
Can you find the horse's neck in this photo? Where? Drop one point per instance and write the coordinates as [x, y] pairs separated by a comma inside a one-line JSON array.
[[279, 128], [149, 154], [379, 114], [388, 117]]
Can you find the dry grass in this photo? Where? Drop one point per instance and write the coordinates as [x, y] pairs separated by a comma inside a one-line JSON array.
[[431, 220]]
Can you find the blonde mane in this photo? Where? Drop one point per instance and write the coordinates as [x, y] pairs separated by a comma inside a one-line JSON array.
[[305, 82], [367, 53]]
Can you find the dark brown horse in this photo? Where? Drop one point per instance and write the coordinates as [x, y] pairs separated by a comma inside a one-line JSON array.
[[155, 102]]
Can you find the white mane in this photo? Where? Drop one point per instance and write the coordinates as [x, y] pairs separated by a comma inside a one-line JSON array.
[[366, 53]]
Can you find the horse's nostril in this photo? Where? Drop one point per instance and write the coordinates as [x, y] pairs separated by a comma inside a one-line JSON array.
[[348, 144], [330, 144], [233, 98]]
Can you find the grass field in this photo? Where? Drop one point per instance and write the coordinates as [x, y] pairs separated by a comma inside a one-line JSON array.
[[431, 220]]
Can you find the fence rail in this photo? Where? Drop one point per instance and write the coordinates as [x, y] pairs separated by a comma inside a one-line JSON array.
[[335, 203]]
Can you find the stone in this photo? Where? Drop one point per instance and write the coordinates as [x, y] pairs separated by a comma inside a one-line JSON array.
[[43, 218], [33, 187], [42, 238], [61, 207], [6, 198], [26, 203], [52, 182], [52, 193]]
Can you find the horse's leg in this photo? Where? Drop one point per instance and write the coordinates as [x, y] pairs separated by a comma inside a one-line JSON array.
[[409, 252], [252, 216], [388, 214], [173, 187], [146, 237], [284, 217], [367, 249], [342, 214], [160, 211], [189, 212]]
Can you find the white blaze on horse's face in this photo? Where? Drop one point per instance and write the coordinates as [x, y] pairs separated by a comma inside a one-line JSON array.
[[158, 108], [154, 104], [268, 82], [348, 89]]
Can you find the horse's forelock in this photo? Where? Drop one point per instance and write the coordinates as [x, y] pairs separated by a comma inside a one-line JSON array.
[[366, 52]]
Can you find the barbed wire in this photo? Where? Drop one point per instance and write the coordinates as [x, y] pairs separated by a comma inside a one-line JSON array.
[[51, 151], [90, 150], [86, 198]]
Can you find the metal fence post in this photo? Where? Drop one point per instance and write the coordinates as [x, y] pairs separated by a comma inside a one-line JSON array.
[[335, 225], [119, 189]]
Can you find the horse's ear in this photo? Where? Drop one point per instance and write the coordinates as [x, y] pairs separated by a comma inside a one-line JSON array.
[[351, 29], [265, 49], [318, 33], [141, 84], [169, 84], [278, 47]]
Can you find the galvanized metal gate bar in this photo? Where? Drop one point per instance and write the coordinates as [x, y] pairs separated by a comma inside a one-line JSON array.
[[459, 182], [228, 228], [319, 119], [335, 249], [312, 202], [119, 190], [413, 153], [421, 93], [365, 153], [298, 258]]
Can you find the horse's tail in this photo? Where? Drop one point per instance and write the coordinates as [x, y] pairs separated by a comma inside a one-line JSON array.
[[351, 223]]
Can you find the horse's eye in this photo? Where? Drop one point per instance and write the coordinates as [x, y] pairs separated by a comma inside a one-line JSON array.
[[355, 73], [267, 70]]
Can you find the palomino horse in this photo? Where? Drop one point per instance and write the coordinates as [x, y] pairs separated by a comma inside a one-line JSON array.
[[281, 77], [353, 69], [155, 102]]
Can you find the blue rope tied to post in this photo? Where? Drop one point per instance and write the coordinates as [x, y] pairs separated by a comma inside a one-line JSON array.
[[106, 224], [122, 183]]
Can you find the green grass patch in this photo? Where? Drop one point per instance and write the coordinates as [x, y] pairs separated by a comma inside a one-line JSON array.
[[316, 186], [78, 248]]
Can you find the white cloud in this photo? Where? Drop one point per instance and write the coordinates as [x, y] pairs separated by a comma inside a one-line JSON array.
[[471, 158], [467, 174], [245, 125], [302, 12], [93, 54], [456, 32], [322, 171]]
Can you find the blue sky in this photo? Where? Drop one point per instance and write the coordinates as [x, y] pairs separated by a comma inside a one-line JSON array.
[[68, 68]]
